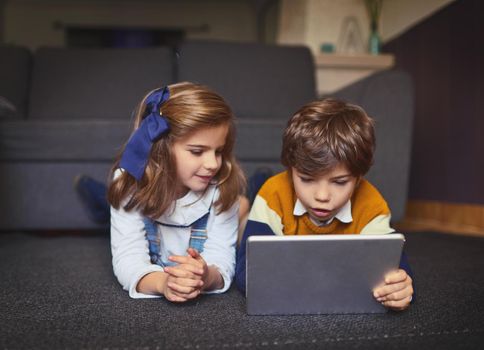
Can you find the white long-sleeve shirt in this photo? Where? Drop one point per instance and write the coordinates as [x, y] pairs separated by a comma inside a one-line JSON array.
[[129, 247]]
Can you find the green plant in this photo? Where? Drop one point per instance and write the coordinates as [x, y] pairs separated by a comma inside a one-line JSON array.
[[373, 8]]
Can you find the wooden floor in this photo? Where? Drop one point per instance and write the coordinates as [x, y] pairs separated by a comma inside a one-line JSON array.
[[466, 219]]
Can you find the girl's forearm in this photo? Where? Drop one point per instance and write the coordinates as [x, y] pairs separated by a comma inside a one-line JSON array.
[[214, 279], [152, 283]]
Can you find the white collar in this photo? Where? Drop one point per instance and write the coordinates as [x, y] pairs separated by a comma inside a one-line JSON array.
[[189, 208], [343, 215]]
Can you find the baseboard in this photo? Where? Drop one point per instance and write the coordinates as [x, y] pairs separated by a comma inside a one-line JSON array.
[[421, 215]]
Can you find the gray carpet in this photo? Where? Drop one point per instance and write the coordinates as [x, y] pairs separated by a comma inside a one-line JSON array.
[[59, 293]]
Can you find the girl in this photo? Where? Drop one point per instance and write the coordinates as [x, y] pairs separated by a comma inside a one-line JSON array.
[[174, 197]]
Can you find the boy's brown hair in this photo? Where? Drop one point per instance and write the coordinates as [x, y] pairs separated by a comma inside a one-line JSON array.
[[191, 107], [324, 133]]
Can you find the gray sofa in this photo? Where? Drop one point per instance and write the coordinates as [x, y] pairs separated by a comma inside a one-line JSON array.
[[74, 106]]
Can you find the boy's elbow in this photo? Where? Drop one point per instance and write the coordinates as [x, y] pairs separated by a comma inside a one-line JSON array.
[[240, 285], [240, 280]]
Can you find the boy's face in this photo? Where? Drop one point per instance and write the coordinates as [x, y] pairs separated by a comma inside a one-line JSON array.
[[324, 195]]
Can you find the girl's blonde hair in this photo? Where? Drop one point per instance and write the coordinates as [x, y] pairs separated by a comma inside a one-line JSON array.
[[191, 107]]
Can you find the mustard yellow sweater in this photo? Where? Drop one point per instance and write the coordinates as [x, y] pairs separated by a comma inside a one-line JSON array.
[[274, 206], [272, 214]]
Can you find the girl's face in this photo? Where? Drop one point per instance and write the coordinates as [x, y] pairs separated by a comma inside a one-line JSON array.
[[324, 195], [198, 158]]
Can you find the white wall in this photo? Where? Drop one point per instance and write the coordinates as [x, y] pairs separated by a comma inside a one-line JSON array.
[[31, 23], [313, 22], [310, 22], [292, 22]]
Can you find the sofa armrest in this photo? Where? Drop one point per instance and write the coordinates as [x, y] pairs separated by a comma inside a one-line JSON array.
[[388, 97]]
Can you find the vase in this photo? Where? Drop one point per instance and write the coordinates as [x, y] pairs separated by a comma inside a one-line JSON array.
[[374, 41]]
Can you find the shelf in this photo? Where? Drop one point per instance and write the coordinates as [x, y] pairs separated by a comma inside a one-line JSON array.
[[335, 71], [357, 61]]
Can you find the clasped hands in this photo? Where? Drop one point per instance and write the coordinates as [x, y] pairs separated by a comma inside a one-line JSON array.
[[185, 280]]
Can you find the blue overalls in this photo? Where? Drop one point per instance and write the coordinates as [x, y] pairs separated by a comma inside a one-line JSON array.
[[198, 236]]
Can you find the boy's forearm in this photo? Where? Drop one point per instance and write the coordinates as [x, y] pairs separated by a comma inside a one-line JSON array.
[[152, 283]]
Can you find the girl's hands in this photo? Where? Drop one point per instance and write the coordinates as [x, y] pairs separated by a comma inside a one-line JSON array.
[[396, 293], [179, 287], [186, 280], [199, 262], [211, 277]]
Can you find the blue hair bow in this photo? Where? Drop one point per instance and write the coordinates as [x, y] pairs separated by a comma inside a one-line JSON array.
[[137, 151]]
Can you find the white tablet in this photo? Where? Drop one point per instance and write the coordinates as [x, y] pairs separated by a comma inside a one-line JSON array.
[[323, 274]]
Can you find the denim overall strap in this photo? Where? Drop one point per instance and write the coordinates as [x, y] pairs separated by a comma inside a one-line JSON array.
[[198, 236], [153, 238], [198, 233]]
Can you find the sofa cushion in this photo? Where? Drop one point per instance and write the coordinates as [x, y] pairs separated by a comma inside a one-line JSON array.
[[95, 83], [100, 140], [15, 68], [7, 109], [66, 140], [258, 81], [41, 196], [259, 140]]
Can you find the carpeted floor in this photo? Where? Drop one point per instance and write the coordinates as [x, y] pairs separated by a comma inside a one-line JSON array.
[[60, 293]]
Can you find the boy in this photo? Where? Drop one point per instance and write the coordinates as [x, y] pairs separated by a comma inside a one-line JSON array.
[[327, 148]]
